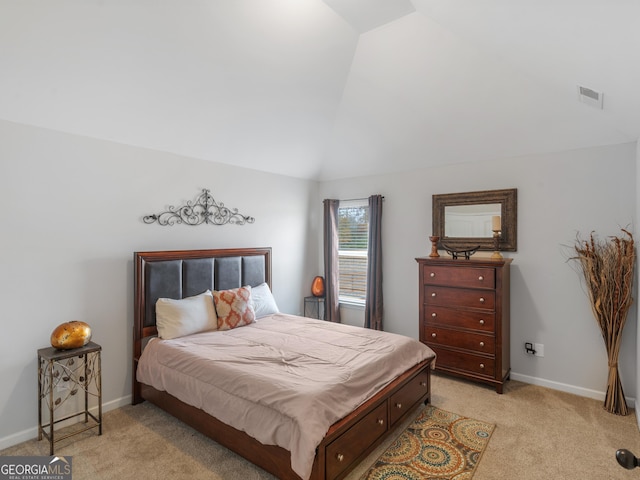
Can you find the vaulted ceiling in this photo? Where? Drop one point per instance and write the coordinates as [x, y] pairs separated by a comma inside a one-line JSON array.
[[326, 89]]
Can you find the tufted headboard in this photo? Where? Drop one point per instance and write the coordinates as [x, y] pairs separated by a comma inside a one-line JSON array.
[[184, 273]]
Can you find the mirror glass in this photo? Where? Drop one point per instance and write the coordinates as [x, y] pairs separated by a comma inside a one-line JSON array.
[[465, 220], [470, 220]]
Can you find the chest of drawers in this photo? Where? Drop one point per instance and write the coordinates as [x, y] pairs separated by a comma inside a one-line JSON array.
[[465, 316]]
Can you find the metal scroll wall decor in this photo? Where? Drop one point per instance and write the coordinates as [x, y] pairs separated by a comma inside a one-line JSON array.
[[203, 209]]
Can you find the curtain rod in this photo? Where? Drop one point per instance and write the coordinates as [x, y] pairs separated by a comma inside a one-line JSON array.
[[354, 199]]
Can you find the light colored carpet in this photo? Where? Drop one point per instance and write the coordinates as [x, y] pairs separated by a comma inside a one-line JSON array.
[[540, 434]]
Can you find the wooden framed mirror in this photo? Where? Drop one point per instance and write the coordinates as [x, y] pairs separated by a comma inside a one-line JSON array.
[[464, 220]]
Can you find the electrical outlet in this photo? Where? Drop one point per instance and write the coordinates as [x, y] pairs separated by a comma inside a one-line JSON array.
[[539, 348]]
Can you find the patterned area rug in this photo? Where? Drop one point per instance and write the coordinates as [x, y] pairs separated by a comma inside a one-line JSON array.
[[437, 445]]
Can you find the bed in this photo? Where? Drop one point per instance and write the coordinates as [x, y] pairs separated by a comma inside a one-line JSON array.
[[343, 443]]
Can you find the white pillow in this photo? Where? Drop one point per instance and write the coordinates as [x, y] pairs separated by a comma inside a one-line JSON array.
[[263, 302], [177, 318]]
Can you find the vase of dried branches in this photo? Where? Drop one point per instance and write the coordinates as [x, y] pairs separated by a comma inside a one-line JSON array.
[[607, 267]]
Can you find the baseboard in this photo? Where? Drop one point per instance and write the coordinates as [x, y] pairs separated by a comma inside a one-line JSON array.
[[31, 433], [563, 387]]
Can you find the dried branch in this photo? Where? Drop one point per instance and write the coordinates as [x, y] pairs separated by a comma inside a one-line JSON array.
[[607, 267]]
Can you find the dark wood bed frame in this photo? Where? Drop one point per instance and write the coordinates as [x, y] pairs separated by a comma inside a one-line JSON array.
[[347, 442]]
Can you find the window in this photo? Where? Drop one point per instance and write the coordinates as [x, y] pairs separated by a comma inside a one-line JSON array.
[[353, 241]]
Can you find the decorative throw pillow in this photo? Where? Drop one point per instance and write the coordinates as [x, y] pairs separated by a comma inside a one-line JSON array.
[[177, 318], [234, 308], [263, 302]]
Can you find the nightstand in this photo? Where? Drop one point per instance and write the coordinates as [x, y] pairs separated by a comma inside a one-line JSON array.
[[62, 374], [314, 307]]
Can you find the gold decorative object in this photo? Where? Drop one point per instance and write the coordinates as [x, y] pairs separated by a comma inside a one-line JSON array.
[[434, 246], [496, 245], [68, 335], [497, 233], [607, 268], [317, 287]]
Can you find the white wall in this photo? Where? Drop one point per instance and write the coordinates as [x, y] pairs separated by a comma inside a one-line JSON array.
[[559, 195], [71, 219]]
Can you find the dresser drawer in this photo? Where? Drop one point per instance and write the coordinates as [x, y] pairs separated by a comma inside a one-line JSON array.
[[476, 342], [473, 277], [460, 297], [481, 321], [413, 391], [464, 361], [346, 449]]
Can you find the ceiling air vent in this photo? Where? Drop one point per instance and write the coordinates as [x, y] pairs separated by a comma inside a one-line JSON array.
[[590, 97]]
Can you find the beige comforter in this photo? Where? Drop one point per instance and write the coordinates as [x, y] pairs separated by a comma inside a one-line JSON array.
[[284, 379]]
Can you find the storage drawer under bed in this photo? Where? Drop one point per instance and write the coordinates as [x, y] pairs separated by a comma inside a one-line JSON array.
[[406, 397], [353, 444], [348, 447]]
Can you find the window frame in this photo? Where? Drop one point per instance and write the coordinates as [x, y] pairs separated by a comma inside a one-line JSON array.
[[342, 298]]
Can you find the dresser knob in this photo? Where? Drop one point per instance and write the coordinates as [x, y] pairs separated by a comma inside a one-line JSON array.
[[432, 274], [481, 300], [423, 384], [482, 344], [340, 457], [433, 294], [380, 421], [433, 335], [398, 405], [481, 322], [433, 315], [481, 278], [482, 365]]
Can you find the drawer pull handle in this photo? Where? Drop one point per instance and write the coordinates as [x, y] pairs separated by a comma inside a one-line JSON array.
[[398, 405], [380, 421], [481, 278], [433, 315], [482, 344], [433, 294], [340, 457], [423, 384], [432, 274], [481, 322], [482, 365], [481, 300], [433, 335]]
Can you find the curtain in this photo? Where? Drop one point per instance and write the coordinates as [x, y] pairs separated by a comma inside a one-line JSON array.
[[374, 305], [332, 288]]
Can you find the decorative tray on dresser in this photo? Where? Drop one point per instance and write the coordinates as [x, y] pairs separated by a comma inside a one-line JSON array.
[[464, 316]]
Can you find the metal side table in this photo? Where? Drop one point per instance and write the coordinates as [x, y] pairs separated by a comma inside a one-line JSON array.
[[314, 307], [62, 374]]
